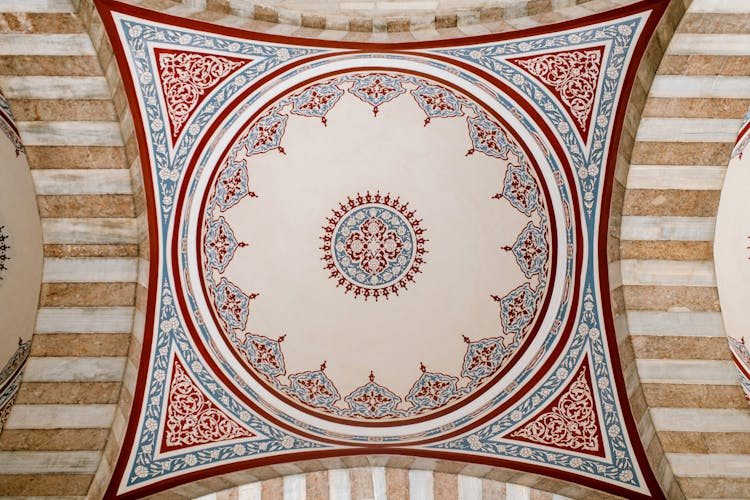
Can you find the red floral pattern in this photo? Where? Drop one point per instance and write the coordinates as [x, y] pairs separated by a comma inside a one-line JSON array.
[[186, 79], [192, 419], [373, 246], [570, 421]]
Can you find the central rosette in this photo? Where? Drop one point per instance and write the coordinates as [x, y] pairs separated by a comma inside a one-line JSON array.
[[373, 245]]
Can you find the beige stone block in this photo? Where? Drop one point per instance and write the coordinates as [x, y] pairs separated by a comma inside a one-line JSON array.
[[76, 157], [68, 392], [361, 483], [716, 487], [37, 485], [681, 153], [49, 65], [88, 344], [671, 298], [397, 484], [694, 396], [667, 250], [703, 22], [317, 485], [85, 206], [675, 347], [696, 107], [53, 439]]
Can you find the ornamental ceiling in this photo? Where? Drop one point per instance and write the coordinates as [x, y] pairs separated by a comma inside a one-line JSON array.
[[379, 249]]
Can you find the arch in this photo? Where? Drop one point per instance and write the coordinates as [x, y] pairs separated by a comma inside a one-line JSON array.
[[671, 321]]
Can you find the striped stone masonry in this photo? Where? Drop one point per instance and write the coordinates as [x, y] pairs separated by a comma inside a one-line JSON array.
[[56, 81], [682, 146]]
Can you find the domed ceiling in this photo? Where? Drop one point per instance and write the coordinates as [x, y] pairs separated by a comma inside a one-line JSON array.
[[379, 249]]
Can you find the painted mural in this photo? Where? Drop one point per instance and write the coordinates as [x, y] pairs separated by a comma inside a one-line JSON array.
[[379, 249]]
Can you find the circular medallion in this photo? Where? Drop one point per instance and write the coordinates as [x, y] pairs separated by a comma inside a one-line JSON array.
[[477, 253], [373, 245]]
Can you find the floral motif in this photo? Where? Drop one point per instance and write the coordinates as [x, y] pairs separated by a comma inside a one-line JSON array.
[[193, 419], [437, 101], [482, 357], [432, 390], [232, 304], [373, 245], [186, 78], [220, 244], [520, 189], [265, 354], [233, 185], [570, 421], [316, 101], [489, 138], [314, 388], [517, 308], [530, 250], [373, 400], [265, 134], [375, 89], [572, 76]]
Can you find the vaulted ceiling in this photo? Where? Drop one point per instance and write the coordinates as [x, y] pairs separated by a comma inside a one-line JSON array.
[[424, 242]]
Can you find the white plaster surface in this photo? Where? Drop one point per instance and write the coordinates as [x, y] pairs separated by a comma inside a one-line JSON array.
[[732, 249]]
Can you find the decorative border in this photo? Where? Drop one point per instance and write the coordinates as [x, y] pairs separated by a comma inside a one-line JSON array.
[[594, 164], [741, 357], [743, 137], [10, 379], [8, 126]]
